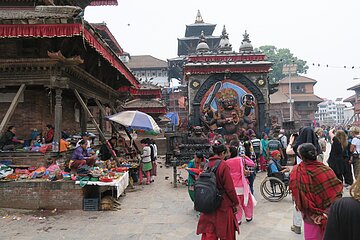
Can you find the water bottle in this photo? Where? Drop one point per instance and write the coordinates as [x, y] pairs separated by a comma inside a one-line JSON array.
[[57, 147]]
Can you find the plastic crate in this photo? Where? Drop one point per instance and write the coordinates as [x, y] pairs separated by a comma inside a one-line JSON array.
[[91, 204]]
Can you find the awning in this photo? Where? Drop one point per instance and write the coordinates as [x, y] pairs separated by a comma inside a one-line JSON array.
[[40, 30], [103, 2], [67, 30]]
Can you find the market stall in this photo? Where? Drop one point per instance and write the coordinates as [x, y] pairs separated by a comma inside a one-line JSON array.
[[105, 179], [119, 184]]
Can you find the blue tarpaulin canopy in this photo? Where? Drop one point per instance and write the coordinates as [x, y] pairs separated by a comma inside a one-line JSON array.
[[174, 117]]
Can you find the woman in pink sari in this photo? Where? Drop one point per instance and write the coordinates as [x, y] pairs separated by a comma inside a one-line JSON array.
[[238, 174]]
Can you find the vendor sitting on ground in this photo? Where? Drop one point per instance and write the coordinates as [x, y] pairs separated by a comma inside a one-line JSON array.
[[8, 140], [81, 157], [275, 169], [86, 137], [64, 145], [49, 134], [36, 142]]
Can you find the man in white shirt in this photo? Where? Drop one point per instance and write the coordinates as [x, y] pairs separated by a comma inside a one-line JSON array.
[[283, 138], [86, 137], [153, 148]]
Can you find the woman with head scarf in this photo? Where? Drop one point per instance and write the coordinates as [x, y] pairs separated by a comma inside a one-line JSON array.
[[306, 135], [344, 216], [314, 187], [220, 224]]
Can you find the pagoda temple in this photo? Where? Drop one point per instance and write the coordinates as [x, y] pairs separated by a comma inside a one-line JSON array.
[[228, 90], [187, 45], [55, 67]]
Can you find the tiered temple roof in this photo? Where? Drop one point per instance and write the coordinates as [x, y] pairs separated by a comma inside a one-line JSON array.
[[187, 45], [63, 21], [108, 37]]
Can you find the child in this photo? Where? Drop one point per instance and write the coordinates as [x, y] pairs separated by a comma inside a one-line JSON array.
[[36, 144], [196, 171], [37, 141]]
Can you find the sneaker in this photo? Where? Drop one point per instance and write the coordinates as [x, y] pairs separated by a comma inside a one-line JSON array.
[[239, 222], [249, 220], [296, 229]]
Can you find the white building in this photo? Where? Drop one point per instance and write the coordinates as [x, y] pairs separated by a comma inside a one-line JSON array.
[[330, 113], [148, 68], [349, 114]]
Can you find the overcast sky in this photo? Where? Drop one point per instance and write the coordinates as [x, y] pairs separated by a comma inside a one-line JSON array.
[[317, 31]]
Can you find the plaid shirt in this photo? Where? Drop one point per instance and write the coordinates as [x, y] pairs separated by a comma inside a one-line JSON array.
[[314, 187]]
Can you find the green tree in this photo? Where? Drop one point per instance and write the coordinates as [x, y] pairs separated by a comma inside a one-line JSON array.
[[279, 57]]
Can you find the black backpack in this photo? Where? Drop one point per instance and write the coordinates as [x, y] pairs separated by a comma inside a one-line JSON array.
[[207, 196]]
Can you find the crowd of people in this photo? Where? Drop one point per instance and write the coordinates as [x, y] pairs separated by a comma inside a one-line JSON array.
[[316, 183]]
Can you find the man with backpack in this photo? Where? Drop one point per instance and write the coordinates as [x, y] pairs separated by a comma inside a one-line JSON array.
[[256, 143], [275, 144], [217, 219]]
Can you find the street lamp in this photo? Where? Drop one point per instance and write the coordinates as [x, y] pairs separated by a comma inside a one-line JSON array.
[[290, 69]]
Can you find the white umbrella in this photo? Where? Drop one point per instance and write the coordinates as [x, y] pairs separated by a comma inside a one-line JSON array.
[[136, 120]]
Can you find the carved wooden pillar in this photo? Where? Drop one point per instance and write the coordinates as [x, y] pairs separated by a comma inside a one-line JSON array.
[[58, 120]]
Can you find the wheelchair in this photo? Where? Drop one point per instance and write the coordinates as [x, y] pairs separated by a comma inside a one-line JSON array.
[[274, 188]]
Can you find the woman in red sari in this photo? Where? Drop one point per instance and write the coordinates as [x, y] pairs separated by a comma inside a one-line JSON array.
[[222, 223], [314, 187]]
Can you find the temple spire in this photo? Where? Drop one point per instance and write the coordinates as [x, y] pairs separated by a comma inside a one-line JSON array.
[[246, 45], [199, 18], [202, 46], [224, 45]]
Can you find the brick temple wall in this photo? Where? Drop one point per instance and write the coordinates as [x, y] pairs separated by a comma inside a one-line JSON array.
[[37, 110], [34, 195]]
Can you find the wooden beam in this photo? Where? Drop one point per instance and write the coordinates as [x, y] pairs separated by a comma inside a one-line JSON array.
[[102, 110], [101, 134], [12, 107], [126, 131]]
